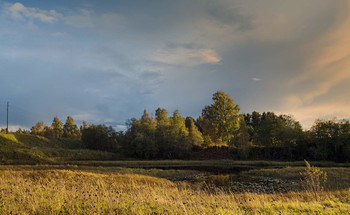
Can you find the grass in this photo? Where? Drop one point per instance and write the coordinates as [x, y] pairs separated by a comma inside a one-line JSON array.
[[24, 190], [226, 166], [70, 180], [32, 149]]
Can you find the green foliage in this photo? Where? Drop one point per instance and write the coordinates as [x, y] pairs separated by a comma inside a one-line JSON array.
[[178, 144], [242, 139], [171, 135], [313, 179], [332, 140], [141, 140], [270, 129], [195, 137], [208, 130], [160, 137], [70, 129], [57, 127], [100, 137], [223, 116], [38, 129]]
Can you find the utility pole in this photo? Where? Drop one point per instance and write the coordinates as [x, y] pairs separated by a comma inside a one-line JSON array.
[[7, 127]]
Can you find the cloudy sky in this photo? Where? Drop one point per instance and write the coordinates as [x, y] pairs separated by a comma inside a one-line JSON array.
[[105, 61]]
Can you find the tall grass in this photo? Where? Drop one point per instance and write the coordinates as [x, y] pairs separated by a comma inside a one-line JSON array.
[[86, 192], [313, 179]]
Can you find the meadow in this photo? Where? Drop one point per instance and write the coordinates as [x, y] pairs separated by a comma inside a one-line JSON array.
[[47, 189], [41, 176]]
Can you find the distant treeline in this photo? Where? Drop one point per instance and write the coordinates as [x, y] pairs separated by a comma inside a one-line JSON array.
[[221, 131]]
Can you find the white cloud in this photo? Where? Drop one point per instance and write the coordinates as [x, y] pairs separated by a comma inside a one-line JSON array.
[[256, 79], [19, 11], [81, 18], [307, 114], [186, 56]]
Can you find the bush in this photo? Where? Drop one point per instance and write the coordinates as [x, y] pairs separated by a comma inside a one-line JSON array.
[[313, 179]]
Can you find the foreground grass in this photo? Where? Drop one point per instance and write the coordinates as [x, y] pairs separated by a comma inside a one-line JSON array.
[[61, 191]]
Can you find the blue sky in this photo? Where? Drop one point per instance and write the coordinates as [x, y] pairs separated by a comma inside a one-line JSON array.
[[106, 61]]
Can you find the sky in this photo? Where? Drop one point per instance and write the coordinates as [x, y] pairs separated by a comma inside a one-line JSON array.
[[106, 61]]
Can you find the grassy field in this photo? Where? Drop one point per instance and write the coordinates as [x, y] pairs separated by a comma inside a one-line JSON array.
[[45, 176], [31, 149], [101, 190]]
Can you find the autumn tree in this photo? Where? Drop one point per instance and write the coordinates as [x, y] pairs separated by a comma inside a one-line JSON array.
[[178, 144], [38, 129], [57, 127], [195, 137], [221, 117], [70, 129]]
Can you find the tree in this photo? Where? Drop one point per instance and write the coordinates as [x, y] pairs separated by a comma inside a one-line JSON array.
[[140, 140], [57, 127], [177, 145], [332, 139], [223, 116], [242, 138], [162, 130], [38, 129], [144, 139], [195, 137], [100, 137], [70, 129], [171, 135]]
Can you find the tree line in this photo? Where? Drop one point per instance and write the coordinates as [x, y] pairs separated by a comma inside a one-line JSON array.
[[246, 136]]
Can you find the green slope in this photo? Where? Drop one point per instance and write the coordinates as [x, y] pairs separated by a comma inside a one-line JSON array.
[[32, 149]]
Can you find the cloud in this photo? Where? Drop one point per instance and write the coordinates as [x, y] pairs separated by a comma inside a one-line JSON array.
[[256, 79], [80, 18], [20, 12], [329, 63], [307, 114], [188, 56]]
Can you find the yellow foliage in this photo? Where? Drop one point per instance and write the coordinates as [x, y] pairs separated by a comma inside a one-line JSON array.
[[53, 191]]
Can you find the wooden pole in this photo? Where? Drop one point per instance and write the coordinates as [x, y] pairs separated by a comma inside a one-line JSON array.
[[7, 127]]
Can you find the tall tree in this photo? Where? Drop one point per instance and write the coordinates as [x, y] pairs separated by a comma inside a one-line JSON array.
[[177, 145], [57, 127], [70, 129], [242, 138], [140, 137], [195, 137], [223, 115]]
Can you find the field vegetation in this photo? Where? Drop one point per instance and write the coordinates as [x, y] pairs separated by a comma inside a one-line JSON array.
[[221, 163], [98, 190]]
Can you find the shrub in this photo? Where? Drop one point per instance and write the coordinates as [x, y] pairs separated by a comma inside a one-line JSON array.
[[313, 179]]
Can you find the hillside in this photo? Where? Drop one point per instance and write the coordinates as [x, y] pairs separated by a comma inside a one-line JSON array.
[[32, 149]]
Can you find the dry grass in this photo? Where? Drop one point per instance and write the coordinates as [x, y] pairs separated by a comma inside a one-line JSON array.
[[29, 191]]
